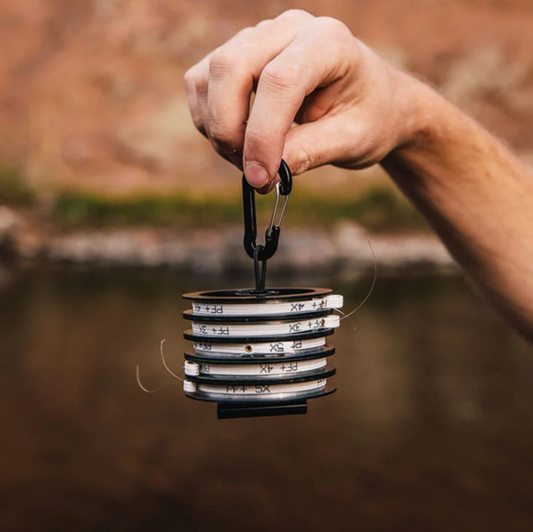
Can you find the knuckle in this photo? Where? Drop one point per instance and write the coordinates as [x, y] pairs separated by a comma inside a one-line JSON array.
[[195, 82], [256, 138], [202, 88], [304, 159], [295, 14], [333, 26], [190, 77], [282, 78], [224, 60], [245, 33], [223, 135], [338, 39], [263, 24]]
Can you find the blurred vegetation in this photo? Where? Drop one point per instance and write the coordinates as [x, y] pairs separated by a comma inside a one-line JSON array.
[[379, 208], [14, 189], [376, 208]]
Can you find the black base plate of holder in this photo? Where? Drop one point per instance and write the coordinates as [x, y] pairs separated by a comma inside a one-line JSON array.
[[242, 407], [254, 408], [286, 408]]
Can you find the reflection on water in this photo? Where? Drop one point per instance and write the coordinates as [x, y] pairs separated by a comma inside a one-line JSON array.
[[431, 428]]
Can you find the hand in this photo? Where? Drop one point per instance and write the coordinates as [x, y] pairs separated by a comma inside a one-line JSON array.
[[351, 107]]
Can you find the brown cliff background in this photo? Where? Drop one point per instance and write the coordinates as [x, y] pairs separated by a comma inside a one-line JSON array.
[[432, 425], [92, 98]]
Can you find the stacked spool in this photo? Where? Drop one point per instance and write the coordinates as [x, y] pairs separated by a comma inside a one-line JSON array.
[[260, 350]]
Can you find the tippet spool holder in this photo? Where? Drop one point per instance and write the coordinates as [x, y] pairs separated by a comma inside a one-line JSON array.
[[259, 352]]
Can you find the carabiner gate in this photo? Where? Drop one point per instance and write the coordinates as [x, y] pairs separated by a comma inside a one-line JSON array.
[[283, 188]]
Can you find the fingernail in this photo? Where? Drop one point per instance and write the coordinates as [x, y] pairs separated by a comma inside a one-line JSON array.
[[267, 188], [256, 174]]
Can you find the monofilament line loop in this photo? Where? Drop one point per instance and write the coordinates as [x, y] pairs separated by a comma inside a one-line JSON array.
[[371, 287], [138, 376], [165, 362], [143, 388]]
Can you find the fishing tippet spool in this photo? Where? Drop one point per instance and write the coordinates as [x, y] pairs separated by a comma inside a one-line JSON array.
[[260, 352]]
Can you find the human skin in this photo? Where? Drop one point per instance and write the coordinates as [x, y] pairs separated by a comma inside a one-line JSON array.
[[353, 109]]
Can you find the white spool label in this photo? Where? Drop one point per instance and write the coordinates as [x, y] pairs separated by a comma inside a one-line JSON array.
[[252, 339], [262, 389], [263, 348], [267, 308], [237, 370], [266, 329]]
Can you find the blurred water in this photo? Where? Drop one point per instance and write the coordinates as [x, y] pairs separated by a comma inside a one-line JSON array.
[[431, 428]]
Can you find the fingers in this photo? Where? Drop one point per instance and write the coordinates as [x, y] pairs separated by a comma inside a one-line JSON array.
[[219, 88], [286, 61], [233, 71], [196, 84], [284, 83]]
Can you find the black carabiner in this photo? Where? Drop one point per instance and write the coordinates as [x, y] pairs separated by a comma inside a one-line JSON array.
[[284, 188]]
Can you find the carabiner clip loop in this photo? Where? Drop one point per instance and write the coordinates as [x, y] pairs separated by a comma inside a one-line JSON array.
[[283, 188]]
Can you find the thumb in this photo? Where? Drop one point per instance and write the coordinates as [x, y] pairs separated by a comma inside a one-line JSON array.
[[341, 140], [308, 146]]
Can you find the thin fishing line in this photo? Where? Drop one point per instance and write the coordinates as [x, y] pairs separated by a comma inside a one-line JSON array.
[[165, 362], [143, 388], [371, 288], [345, 316]]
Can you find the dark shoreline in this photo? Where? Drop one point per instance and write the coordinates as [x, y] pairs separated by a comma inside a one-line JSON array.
[[343, 249]]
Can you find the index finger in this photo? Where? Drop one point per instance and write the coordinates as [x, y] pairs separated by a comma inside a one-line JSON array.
[[283, 85]]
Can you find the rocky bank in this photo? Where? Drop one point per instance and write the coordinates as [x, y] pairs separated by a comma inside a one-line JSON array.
[[345, 248]]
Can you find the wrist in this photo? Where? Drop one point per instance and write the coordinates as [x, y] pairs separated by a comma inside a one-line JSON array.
[[419, 118]]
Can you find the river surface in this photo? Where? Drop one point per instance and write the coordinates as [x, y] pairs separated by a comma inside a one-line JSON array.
[[431, 428]]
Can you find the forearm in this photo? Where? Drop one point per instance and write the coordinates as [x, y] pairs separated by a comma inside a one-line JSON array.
[[477, 195], [354, 110]]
